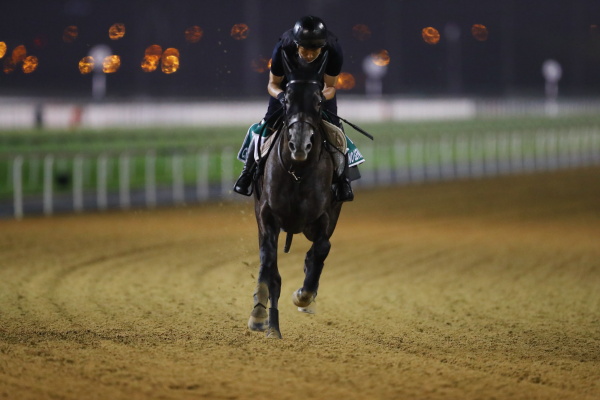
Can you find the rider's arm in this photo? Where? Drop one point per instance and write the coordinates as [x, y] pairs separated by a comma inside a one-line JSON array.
[[274, 86], [329, 88]]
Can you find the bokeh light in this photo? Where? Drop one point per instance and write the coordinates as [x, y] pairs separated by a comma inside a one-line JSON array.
[[150, 63], [381, 58], [2, 49], [18, 54], [170, 61], [240, 31], [8, 66], [345, 81], [86, 65], [594, 30], [151, 59], [153, 50], [111, 64], [479, 32], [116, 31], [170, 64], [361, 32], [40, 41], [70, 33], [260, 64], [30, 64], [430, 35], [193, 34]]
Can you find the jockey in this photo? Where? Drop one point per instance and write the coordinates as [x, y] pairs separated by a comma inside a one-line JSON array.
[[304, 45]]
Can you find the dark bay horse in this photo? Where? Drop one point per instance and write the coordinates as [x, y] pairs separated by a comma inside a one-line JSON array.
[[294, 195]]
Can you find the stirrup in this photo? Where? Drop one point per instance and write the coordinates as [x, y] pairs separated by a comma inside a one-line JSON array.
[[242, 187], [344, 195]]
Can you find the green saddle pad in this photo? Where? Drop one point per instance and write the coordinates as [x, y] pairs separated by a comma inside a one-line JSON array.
[[263, 129]]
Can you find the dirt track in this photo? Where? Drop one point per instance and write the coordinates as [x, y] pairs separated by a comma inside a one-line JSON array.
[[466, 290]]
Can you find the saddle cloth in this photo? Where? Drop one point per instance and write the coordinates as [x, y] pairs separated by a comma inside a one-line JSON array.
[[335, 136]]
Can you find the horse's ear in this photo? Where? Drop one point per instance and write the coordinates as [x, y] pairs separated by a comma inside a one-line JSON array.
[[287, 65], [321, 71]]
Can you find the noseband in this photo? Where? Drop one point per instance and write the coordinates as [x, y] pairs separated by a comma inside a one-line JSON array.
[[297, 117]]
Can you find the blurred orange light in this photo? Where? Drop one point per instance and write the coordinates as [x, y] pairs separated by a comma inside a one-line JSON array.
[[111, 64], [86, 65], [9, 66], [381, 58], [240, 31], [479, 32], [70, 34], [170, 61], [594, 30], [40, 41], [430, 35], [150, 63], [153, 50], [2, 49], [170, 64], [345, 81], [18, 54], [260, 65], [171, 51], [361, 32], [30, 64], [193, 34], [116, 31]]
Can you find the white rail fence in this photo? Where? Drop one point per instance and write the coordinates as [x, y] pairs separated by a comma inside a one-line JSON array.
[[76, 182]]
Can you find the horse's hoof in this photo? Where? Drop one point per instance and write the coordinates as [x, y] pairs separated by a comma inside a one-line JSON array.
[[259, 319], [302, 299], [310, 309], [273, 333]]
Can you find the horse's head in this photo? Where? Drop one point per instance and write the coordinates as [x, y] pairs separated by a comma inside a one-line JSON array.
[[303, 116], [304, 105]]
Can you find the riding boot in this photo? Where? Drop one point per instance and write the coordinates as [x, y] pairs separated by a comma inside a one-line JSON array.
[[343, 190], [244, 183]]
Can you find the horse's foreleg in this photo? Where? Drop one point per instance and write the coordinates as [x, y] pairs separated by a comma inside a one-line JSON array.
[[269, 275], [313, 267], [259, 319], [269, 280]]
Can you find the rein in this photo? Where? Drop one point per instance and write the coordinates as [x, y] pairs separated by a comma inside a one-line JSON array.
[[290, 170], [288, 122]]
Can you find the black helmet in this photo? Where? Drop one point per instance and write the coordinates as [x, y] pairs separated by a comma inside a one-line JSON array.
[[310, 32]]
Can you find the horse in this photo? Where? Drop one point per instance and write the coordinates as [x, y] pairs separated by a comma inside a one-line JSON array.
[[294, 195]]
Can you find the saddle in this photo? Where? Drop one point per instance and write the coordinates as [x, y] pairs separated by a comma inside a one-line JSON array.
[[262, 134]]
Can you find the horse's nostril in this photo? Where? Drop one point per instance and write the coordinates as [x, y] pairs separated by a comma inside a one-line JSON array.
[[292, 146], [308, 147]]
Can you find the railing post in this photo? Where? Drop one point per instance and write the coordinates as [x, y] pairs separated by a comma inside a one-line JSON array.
[[150, 178], [17, 174], [101, 178], [78, 183], [202, 186], [226, 172], [124, 197], [177, 168], [48, 178]]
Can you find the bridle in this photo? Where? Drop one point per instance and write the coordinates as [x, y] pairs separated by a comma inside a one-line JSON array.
[[297, 117]]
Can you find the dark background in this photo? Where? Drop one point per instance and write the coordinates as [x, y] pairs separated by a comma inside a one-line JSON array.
[[522, 34]]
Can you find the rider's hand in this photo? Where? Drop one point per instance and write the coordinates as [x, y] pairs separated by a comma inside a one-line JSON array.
[[323, 98], [281, 98]]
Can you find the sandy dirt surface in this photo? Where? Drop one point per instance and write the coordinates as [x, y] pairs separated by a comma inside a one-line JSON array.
[[485, 289]]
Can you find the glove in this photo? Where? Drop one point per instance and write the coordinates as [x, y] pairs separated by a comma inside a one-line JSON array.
[[281, 98], [323, 99]]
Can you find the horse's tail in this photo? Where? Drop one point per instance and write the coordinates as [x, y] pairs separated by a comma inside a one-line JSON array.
[[288, 242]]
